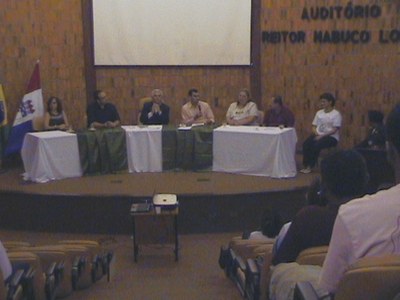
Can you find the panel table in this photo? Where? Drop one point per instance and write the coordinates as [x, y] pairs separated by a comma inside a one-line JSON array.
[[50, 155], [253, 150]]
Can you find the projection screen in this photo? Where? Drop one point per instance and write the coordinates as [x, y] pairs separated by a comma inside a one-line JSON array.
[[172, 32]]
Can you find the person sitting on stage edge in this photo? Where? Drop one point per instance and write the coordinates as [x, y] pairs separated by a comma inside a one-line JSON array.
[[364, 227], [196, 111], [101, 114], [376, 137], [325, 132], [279, 114], [155, 112], [55, 117], [243, 111], [344, 176]]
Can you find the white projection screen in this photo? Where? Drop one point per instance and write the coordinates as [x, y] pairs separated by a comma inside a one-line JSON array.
[[172, 32]]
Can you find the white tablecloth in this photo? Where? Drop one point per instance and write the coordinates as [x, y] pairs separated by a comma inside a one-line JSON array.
[[144, 144], [251, 150], [50, 155]]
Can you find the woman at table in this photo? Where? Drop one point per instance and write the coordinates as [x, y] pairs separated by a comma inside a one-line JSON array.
[[325, 132], [55, 118], [243, 111]]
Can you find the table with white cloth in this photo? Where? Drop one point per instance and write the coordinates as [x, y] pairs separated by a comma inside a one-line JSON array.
[[50, 155], [143, 144], [253, 150]]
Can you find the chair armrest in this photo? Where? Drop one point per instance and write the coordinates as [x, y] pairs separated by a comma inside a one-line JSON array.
[[252, 288], [240, 263], [77, 266], [305, 291], [51, 281], [15, 285]]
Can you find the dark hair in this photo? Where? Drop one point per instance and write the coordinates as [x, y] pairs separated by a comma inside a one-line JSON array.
[[344, 173], [375, 116], [278, 100], [328, 97], [96, 94], [393, 127], [191, 91], [59, 105], [315, 194], [271, 223]]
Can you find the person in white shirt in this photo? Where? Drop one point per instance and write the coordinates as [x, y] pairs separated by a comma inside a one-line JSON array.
[[367, 226], [242, 112], [325, 132]]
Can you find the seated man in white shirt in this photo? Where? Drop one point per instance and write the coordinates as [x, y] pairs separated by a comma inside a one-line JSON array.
[[368, 226]]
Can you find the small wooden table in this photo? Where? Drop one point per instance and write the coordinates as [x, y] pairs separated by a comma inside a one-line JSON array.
[[152, 228]]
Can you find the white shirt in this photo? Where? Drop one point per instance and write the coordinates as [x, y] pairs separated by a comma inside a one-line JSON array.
[[326, 122], [5, 264], [369, 226], [237, 113]]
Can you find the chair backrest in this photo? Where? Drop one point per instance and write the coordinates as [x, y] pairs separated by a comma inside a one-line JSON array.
[[141, 102], [371, 278], [33, 260], [38, 123], [312, 256]]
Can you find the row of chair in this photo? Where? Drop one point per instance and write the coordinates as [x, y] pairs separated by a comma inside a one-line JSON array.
[[55, 271], [248, 262]]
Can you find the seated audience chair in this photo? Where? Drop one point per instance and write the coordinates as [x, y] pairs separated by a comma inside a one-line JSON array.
[[57, 260], [101, 258], [254, 276], [371, 278], [39, 282], [239, 247], [13, 290]]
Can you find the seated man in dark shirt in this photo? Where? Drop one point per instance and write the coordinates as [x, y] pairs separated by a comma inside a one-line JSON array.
[[279, 114], [343, 177], [155, 112], [101, 114], [376, 137]]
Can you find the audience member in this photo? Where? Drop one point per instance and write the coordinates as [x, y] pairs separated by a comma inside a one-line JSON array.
[[155, 112], [196, 111], [279, 114], [368, 226], [270, 225], [101, 114], [314, 196], [344, 176], [243, 111], [376, 137], [326, 125], [55, 117]]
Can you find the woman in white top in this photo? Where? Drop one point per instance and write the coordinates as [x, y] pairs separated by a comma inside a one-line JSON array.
[[243, 111], [325, 132]]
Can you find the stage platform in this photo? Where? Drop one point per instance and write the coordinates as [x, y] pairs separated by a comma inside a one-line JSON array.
[[209, 201]]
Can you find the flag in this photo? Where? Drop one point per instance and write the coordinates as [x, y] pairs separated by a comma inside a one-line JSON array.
[[3, 108], [31, 107]]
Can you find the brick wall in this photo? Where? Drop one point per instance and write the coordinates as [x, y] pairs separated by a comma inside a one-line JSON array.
[[361, 76]]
